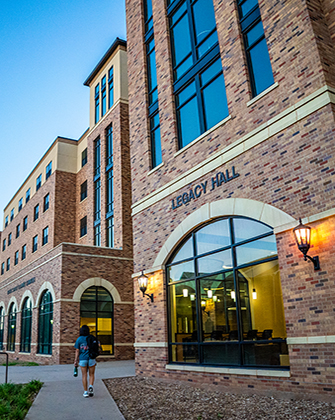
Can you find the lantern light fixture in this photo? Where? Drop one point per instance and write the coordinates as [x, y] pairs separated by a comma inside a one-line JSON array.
[[185, 292], [254, 294], [143, 284], [302, 236], [209, 293]]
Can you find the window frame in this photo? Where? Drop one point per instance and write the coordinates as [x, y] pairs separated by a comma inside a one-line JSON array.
[[36, 212], [46, 202], [84, 157], [45, 315], [83, 191], [45, 235], [83, 227], [26, 326], [11, 334], [38, 182], [35, 244], [97, 103], [48, 170]]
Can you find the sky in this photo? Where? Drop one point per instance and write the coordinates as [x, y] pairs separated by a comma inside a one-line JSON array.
[[47, 50]]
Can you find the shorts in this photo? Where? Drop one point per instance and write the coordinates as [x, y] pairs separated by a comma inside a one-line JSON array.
[[87, 362]]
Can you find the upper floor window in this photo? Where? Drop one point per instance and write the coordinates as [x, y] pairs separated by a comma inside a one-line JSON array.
[[2, 268], [25, 223], [45, 237], [9, 238], [38, 182], [259, 65], [6, 221], [110, 87], [97, 235], [110, 192], [97, 156], [152, 73], [48, 170], [17, 231], [20, 204], [36, 212], [96, 103], [24, 252], [97, 200], [103, 96], [155, 140], [8, 264], [46, 202], [27, 195], [109, 145], [4, 244], [16, 259], [148, 15], [11, 214], [83, 191], [35, 242], [84, 157], [83, 226], [110, 232]]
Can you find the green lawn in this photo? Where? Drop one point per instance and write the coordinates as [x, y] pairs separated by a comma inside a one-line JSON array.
[[16, 399], [18, 363]]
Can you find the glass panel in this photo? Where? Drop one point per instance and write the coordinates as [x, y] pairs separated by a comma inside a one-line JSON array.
[[254, 34], [103, 295], [156, 148], [215, 102], [256, 250], [247, 6], [181, 69], [186, 94], [247, 229], [104, 334], [261, 67], [207, 44], [185, 353], [87, 306], [181, 41], [89, 294], [215, 262], [178, 13], [211, 72], [244, 290], [265, 298], [204, 19], [223, 354], [182, 271], [183, 312], [212, 237], [266, 354], [188, 119], [106, 306], [186, 251]]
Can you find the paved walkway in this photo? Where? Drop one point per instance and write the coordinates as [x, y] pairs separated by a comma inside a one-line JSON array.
[[61, 396]]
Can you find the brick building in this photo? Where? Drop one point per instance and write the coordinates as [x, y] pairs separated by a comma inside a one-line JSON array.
[[232, 140], [66, 246]]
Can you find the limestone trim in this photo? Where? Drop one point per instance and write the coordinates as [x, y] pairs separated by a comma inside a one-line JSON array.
[[155, 168], [96, 281], [321, 339], [45, 286], [265, 92], [232, 371], [2, 305], [151, 344], [292, 115], [11, 300], [112, 257], [26, 294], [310, 219], [123, 344], [227, 207]]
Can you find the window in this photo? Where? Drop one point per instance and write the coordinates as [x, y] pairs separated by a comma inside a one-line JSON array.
[[26, 320], [109, 145], [45, 321], [6, 221], [4, 244], [97, 182], [20, 204], [8, 264], [27, 195], [25, 223], [110, 87], [103, 96], [11, 328], [2, 268], [35, 242], [97, 161], [24, 252], [148, 15], [96, 310], [17, 231], [46, 202], [97, 235], [110, 232], [48, 170], [36, 212], [97, 208], [199, 87], [38, 182], [155, 140], [110, 193], [11, 214], [84, 157], [96, 103], [83, 191], [83, 226], [16, 259], [152, 73], [2, 326], [259, 65], [45, 235], [9, 239], [220, 282]]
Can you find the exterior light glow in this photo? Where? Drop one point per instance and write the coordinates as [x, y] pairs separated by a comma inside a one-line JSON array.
[[302, 236], [254, 294], [143, 284], [185, 292], [209, 293]]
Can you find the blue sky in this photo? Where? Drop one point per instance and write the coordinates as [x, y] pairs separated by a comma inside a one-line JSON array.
[[47, 50]]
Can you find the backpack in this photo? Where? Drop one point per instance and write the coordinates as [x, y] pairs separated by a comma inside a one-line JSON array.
[[93, 347]]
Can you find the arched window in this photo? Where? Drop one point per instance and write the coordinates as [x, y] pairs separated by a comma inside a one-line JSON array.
[[225, 299], [11, 328], [96, 311], [45, 321], [2, 325], [26, 318]]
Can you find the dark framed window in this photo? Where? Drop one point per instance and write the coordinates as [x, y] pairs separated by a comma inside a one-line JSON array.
[[148, 15], [45, 237], [48, 170], [83, 226], [17, 231], [2, 326], [220, 281], [26, 321], [46, 201], [110, 87], [45, 322], [9, 239], [103, 96], [38, 182], [83, 191], [27, 195], [110, 232], [110, 192], [11, 328], [23, 252], [35, 243], [84, 157], [36, 212], [109, 145], [8, 264], [16, 258], [96, 310], [258, 59], [6, 221], [97, 200], [97, 103], [97, 157], [152, 72], [2, 268], [11, 214], [155, 138], [4, 244], [20, 204], [25, 223], [97, 235]]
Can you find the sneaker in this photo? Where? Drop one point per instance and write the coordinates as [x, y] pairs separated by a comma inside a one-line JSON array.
[[85, 394], [90, 391]]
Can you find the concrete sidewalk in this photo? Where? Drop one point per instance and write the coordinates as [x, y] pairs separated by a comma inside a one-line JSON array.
[[61, 396]]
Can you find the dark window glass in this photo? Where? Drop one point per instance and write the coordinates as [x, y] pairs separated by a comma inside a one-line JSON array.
[[110, 233], [155, 136], [8, 264], [11, 214], [35, 242], [26, 321], [97, 200], [110, 87], [188, 116], [45, 321], [45, 238], [97, 158], [9, 239], [97, 235], [84, 157], [20, 204], [27, 195], [38, 182], [4, 244], [46, 203], [2, 268], [103, 96], [83, 226], [246, 6], [24, 252], [48, 170], [109, 191], [152, 73], [25, 223], [17, 231], [97, 103], [16, 258], [148, 15], [6, 221], [2, 327], [11, 328], [36, 212], [109, 144], [83, 191]]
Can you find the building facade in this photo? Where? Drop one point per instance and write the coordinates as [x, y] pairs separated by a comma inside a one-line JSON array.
[[232, 140], [66, 246]]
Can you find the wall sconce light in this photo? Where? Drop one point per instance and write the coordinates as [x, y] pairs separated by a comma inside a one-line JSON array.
[[185, 292], [192, 297], [233, 295], [254, 294], [209, 293], [302, 235], [143, 284]]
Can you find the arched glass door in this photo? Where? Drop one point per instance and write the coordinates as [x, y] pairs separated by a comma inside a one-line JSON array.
[[26, 318], [45, 322], [11, 328], [96, 311], [2, 322]]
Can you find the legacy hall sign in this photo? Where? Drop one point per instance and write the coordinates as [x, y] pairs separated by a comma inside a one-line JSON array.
[[202, 188]]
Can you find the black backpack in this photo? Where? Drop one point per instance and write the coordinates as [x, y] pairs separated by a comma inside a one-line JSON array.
[[93, 347]]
